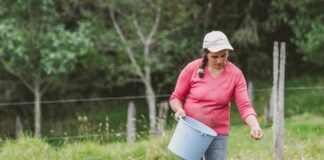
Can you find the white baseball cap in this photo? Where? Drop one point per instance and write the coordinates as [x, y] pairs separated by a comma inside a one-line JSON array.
[[216, 41]]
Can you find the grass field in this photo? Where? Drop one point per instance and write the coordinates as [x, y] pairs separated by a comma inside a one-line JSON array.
[[304, 132], [304, 139]]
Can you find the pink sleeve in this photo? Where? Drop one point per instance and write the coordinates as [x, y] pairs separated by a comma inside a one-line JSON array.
[[241, 98], [183, 84]]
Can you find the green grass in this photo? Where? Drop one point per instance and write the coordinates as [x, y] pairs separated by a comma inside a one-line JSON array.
[[107, 117], [304, 139]]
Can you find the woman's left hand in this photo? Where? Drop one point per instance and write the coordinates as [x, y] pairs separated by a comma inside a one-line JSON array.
[[256, 132]]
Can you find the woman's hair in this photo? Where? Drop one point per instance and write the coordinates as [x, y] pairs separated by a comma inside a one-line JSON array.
[[204, 52]]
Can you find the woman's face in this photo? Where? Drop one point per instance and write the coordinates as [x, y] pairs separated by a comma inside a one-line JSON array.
[[217, 59]]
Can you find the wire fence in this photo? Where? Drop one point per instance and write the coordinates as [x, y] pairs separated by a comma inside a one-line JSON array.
[[82, 100], [138, 97], [122, 135], [107, 137], [118, 134]]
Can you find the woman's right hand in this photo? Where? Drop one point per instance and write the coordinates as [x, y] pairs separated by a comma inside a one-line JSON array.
[[179, 113]]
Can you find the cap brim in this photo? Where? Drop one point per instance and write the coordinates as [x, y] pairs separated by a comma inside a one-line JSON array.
[[219, 48]]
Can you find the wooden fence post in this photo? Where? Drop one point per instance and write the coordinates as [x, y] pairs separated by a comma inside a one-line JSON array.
[[131, 122], [268, 109], [163, 113], [19, 127], [278, 104]]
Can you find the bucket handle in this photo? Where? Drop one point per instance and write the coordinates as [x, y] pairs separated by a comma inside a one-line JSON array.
[[181, 117]]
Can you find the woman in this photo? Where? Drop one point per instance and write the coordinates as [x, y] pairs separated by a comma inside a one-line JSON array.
[[204, 89]]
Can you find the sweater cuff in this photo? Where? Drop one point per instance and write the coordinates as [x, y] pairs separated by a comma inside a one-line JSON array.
[[251, 112], [173, 96]]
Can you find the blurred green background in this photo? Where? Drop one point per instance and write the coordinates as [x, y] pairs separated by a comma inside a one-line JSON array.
[[82, 61]]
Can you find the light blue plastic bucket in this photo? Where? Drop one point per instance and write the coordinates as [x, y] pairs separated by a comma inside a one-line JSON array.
[[191, 139]]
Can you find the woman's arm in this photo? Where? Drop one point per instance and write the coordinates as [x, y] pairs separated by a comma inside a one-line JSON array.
[[256, 131], [181, 90], [245, 108], [177, 107]]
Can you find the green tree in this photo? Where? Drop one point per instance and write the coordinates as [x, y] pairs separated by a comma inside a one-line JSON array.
[[138, 34], [37, 48], [306, 20], [308, 27]]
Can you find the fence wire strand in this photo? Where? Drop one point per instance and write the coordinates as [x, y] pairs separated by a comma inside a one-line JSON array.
[[135, 97]]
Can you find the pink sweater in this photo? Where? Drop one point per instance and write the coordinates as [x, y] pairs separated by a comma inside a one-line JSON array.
[[207, 99]]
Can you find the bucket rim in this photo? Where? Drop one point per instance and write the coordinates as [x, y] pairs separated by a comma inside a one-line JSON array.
[[182, 118]]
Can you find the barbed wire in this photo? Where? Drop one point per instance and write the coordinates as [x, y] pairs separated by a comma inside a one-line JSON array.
[[85, 136], [117, 134], [136, 97], [83, 100], [290, 89]]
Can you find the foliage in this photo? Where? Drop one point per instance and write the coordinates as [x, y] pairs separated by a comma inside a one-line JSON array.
[[307, 22], [34, 44], [164, 44], [36, 47]]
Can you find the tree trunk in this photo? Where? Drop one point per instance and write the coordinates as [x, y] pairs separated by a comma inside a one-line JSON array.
[[150, 94], [37, 111], [131, 122], [151, 101], [146, 75]]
